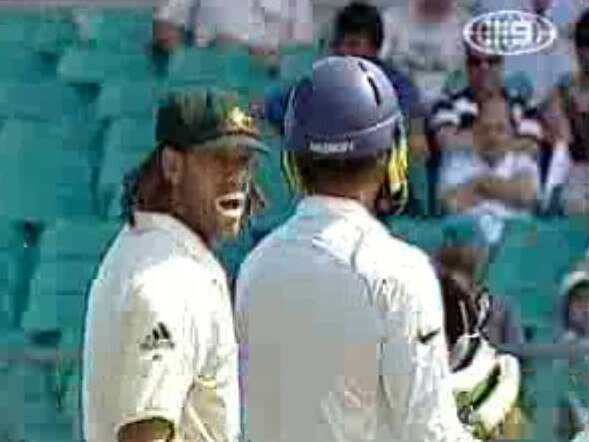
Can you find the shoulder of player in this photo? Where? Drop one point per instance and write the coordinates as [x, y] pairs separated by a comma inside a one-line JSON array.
[[382, 256], [266, 249], [171, 279]]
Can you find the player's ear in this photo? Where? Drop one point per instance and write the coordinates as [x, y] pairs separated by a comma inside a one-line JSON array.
[[172, 163]]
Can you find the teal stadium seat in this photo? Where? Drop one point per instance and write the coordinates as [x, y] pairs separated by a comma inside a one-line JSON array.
[[296, 63], [44, 101], [201, 66], [247, 74], [19, 63], [419, 186], [47, 31], [70, 239], [116, 30], [532, 260], [127, 100], [44, 171], [70, 252], [127, 143], [91, 67], [11, 270], [427, 234], [234, 69]]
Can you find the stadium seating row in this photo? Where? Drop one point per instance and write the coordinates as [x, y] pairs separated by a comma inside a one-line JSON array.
[[90, 66], [68, 252]]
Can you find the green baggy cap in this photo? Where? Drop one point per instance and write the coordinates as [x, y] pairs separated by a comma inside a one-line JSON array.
[[206, 118]]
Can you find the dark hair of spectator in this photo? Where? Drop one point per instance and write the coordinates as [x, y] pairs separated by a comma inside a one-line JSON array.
[[360, 18], [582, 30], [576, 293], [319, 173]]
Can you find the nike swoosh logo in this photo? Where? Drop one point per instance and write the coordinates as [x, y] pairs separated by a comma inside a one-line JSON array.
[[424, 339]]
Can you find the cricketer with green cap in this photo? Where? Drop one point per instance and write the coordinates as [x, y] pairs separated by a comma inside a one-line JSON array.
[[160, 357]]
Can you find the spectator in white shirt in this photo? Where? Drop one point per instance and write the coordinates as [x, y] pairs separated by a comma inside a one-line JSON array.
[[491, 178], [423, 37], [262, 25]]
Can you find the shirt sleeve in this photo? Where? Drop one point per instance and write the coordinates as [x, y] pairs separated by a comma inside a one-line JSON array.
[[177, 12], [416, 374], [163, 344]]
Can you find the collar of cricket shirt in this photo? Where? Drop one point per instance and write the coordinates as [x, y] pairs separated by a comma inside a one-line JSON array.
[[181, 233], [318, 205]]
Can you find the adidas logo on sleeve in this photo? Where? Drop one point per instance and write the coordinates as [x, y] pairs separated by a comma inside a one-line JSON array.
[[158, 339]]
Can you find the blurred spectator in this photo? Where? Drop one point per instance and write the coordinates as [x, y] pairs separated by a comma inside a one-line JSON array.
[[569, 122], [454, 114], [262, 25], [424, 39], [467, 250], [544, 68], [575, 330], [490, 178], [486, 382], [358, 31]]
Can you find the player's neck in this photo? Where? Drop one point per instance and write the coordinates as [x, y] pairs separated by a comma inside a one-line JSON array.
[[364, 198]]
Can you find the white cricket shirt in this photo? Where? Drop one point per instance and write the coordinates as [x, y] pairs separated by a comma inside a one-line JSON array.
[[344, 328], [159, 338]]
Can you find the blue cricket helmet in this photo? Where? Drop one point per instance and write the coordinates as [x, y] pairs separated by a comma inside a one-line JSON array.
[[347, 107]]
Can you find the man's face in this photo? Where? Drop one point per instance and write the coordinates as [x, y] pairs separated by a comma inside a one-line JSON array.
[[579, 311], [213, 190], [485, 73], [356, 45], [583, 58]]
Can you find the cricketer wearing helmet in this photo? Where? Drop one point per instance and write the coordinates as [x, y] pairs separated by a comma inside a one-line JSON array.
[[160, 356], [343, 322]]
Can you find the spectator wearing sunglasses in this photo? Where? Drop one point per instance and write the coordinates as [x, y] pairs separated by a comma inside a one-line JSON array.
[[454, 114]]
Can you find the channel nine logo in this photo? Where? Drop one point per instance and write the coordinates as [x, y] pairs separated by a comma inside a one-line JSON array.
[[509, 33]]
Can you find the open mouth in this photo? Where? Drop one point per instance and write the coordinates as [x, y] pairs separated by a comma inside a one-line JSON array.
[[231, 205]]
